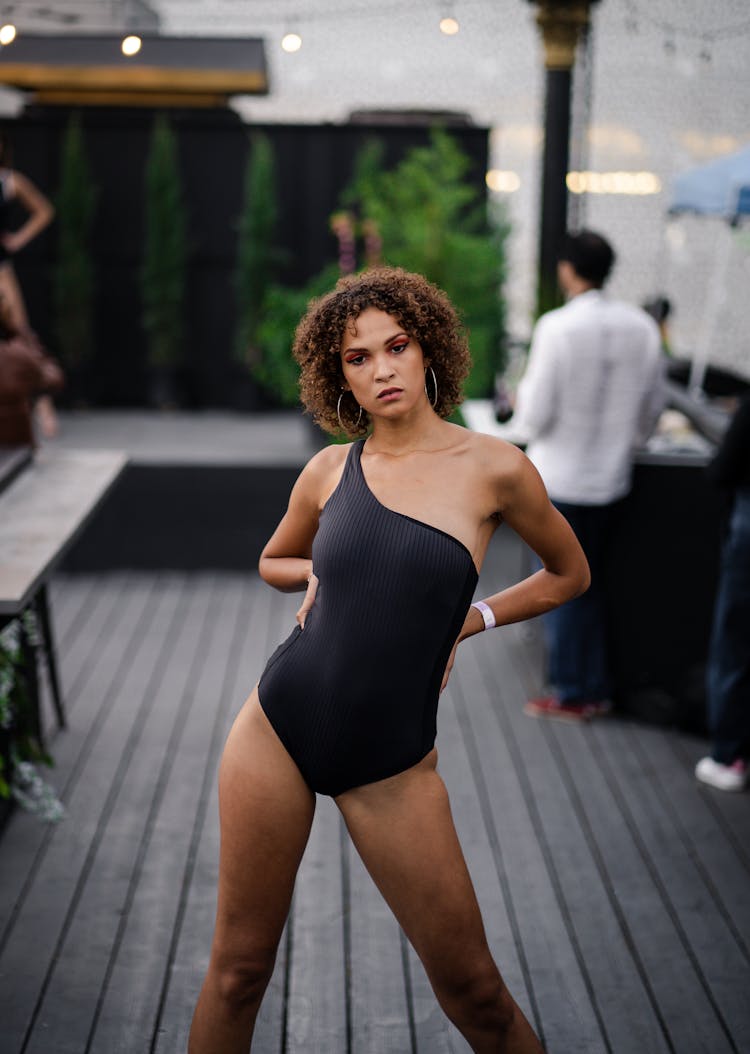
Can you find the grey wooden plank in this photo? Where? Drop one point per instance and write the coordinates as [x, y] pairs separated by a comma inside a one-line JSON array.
[[708, 1024], [13, 460], [98, 622], [25, 840], [465, 784], [77, 600], [380, 1014], [317, 1020], [551, 771], [723, 867], [73, 995], [43, 512], [683, 1002], [717, 949], [625, 1003], [731, 810], [50, 905], [69, 596], [560, 992], [433, 1033], [193, 930], [461, 780], [202, 668]]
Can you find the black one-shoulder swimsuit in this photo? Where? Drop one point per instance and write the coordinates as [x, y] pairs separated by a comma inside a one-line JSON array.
[[353, 697]]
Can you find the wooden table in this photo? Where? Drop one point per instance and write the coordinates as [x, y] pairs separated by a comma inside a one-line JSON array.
[[13, 459], [42, 511]]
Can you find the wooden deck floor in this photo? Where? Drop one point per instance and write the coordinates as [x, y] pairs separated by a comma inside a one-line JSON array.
[[616, 893]]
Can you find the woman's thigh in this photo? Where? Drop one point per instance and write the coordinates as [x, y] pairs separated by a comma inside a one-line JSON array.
[[403, 830], [266, 811], [10, 290]]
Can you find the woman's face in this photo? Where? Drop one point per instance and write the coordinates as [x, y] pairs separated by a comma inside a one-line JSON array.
[[383, 366]]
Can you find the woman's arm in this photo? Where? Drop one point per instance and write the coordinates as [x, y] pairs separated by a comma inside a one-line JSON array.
[[286, 560], [39, 208], [525, 506]]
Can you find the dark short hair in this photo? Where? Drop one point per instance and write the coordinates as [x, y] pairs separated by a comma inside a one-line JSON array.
[[590, 255]]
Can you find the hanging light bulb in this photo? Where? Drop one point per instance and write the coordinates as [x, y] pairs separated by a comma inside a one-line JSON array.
[[291, 42], [7, 33], [449, 25], [131, 45]]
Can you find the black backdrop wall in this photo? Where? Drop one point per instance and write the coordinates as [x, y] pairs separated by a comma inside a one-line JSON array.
[[314, 163]]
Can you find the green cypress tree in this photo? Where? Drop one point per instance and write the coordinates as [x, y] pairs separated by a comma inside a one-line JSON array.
[[163, 273], [73, 278], [257, 255]]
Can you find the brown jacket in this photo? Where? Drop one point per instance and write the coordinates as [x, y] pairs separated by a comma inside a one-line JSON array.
[[25, 373]]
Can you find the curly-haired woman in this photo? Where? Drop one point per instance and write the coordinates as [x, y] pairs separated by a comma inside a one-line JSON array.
[[386, 536]]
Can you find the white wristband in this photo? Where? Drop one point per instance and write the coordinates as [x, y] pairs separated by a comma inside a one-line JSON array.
[[486, 612]]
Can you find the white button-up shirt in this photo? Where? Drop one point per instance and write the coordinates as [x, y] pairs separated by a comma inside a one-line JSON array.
[[591, 395]]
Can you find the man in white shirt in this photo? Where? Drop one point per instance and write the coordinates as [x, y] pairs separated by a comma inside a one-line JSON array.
[[591, 395]]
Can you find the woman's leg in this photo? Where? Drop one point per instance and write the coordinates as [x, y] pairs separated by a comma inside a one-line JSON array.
[[266, 811], [16, 316], [403, 830], [14, 303]]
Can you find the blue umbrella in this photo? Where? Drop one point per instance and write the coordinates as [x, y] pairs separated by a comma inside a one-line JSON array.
[[720, 188]]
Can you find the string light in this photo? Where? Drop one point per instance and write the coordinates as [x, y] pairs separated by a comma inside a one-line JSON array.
[[131, 45], [502, 182], [637, 183], [291, 42], [7, 34]]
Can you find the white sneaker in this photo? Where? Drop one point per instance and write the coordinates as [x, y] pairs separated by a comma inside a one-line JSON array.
[[723, 777]]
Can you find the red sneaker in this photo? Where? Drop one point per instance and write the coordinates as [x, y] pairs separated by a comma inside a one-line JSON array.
[[550, 706]]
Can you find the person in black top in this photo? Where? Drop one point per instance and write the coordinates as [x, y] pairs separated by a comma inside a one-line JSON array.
[[728, 672], [385, 537], [16, 187]]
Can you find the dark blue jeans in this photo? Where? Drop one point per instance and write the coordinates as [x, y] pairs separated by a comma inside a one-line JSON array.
[[577, 632], [728, 674]]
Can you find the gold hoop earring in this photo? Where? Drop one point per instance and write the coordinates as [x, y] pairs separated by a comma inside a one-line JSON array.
[[433, 402], [342, 426]]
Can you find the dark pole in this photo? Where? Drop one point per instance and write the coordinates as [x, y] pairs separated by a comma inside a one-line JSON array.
[[561, 23], [554, 204]]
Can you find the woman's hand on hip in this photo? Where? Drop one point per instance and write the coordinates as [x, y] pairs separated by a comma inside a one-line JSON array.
[[309, 600]]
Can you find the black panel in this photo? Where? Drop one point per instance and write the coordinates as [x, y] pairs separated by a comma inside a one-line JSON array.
[[313, 164]]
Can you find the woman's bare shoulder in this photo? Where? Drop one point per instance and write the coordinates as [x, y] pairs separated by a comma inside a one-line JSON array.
[[329, 459], [496, 456], [322, 472]]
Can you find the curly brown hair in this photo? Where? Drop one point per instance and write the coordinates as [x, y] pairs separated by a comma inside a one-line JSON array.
[[424, 311]]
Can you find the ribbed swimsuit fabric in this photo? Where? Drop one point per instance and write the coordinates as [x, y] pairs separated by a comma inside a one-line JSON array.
[[353, 697]]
